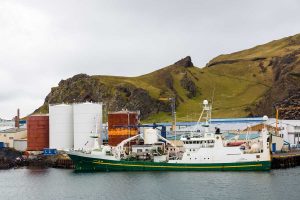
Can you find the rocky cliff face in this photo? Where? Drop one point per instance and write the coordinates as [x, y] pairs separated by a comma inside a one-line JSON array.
[[84, 88], [285, 90], [188, 84]]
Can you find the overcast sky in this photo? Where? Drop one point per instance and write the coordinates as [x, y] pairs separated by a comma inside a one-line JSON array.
[[42, 42]]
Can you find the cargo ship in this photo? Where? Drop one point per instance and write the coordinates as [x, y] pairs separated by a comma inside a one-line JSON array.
[[200, 151]]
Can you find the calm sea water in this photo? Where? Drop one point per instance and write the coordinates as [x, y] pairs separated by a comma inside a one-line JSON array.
[[59, 184]]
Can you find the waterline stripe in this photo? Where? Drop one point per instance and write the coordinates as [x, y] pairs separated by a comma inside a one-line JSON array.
[[185, 167]]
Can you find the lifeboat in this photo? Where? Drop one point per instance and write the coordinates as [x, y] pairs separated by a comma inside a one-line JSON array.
[[234, 144]]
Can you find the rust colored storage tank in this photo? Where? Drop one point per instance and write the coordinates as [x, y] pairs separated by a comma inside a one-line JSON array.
[[122, 118], [122, 125], [37, 132]]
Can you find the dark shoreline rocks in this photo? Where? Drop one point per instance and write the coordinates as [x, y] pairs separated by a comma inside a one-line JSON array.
[[10, 158]]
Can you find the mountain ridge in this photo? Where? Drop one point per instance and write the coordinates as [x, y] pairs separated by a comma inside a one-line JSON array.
[[250, 82]]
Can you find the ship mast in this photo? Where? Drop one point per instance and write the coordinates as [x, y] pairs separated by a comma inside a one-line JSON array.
[[207, 110], [206, 114], [96, 136]]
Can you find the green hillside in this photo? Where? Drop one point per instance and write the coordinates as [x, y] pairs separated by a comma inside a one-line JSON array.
[[241, 84]]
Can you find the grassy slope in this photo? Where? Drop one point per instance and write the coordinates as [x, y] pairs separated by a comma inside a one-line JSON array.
[[233, 92], [236, 86]]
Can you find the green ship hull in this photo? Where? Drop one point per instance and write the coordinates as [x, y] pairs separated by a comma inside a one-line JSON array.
[[87, 164]]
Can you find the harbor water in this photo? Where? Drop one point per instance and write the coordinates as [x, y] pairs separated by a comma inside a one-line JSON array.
[[60, 184]]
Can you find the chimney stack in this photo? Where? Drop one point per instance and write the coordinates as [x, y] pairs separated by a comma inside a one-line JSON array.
[[17, 119]]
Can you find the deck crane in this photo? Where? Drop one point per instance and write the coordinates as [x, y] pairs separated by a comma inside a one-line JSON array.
[[278, 109]]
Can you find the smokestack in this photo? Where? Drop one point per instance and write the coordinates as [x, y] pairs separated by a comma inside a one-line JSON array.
[[17, 119]]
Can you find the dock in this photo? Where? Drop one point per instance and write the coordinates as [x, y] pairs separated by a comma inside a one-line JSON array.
[[286, 160]]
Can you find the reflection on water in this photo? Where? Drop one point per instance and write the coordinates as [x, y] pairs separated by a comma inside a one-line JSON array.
[[37, 171], [56, 184]]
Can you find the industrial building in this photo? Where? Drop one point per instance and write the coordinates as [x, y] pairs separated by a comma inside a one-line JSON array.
[[8, 136], [4, 125], [20, 144], [289, 130]]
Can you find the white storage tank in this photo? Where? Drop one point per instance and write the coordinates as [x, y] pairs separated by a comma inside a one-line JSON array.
[[150, 136], [61, 127], [87, 118]]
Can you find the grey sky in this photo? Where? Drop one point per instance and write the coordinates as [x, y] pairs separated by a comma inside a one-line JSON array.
[[42, 42]]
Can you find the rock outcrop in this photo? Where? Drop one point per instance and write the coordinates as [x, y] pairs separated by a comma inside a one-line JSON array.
[[188, 84], [185, 62]]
